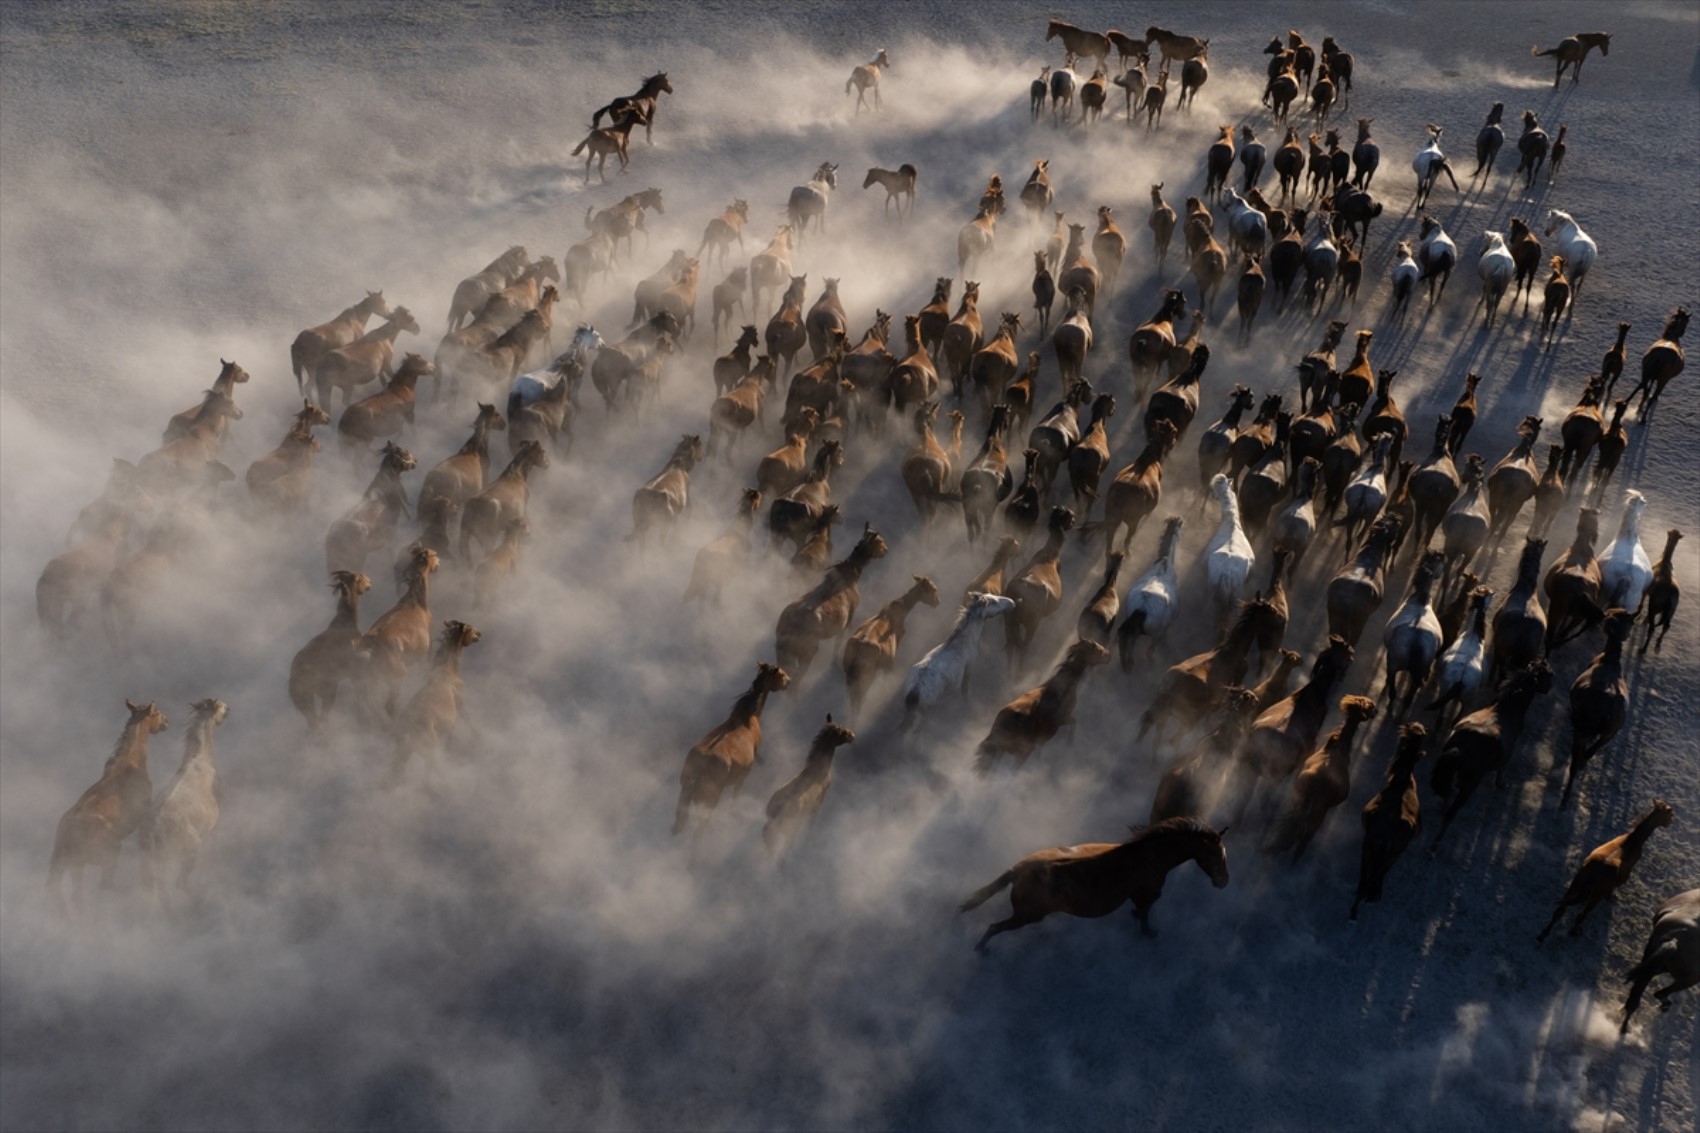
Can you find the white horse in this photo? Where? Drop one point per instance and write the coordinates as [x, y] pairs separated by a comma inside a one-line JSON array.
[[1496, 269], [1437, 255], [187, 810], [1412, 638], [1625, 569], [530, 388], [1576, 246], [1461, 668], [1405, 275], [1429, 164], [1150, 604], [945, 666], [809, 201], [1229, 557], [1248, 229]]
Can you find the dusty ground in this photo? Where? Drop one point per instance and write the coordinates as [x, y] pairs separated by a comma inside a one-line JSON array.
[[188, 181]]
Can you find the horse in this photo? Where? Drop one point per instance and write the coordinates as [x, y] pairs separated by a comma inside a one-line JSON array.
[[1576, 246], [717, 238], [1032, 719], [365, 360], [1489, 139], [1429, 164], [615, 140], [1525, 249], [1062, 93], [1195, 72], [93, 830], [666, 495], [1496, 269], [371, 523], [645, 101], [1662, 361], [1161, 222], [313, 343], [722, 759], [975, 239], [1078, 43], [809, 201], [1436, 256], [795, 805], [475, 290], [1532, 149], [487, 514], [280, 479], [1175, 48], [1092, 97], [1366, 156], [1038, 91], [230, 375], [1572, 51], [867, 77], [618, 221], [770, 268], [1672, 949], [899, 184], [871, 650], [1094, 879]]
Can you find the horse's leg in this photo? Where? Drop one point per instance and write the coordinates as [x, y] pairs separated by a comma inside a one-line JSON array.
[[1009, 924]]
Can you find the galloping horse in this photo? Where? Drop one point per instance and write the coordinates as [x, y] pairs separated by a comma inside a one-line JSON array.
[[1573, 51], [645, 101], [1078, 43], [809, 201], [867, 77]]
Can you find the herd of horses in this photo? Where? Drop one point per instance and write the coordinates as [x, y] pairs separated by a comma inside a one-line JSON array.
[[1319, 474]]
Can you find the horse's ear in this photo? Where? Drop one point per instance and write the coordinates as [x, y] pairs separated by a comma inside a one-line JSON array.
[[130, 704], [829, 717], [1222, 833]]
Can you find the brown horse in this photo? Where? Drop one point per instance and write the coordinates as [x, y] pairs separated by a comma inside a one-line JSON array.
[[1607, 867], [282, 479], [666, 495], [724, 756], [463, 475], [1572, 584], [229, 375], [1485, 741], [314, 343], [613, 140], [1662, 595], [867, 367], [914, 379], [1032, 719], [1322, 783], [1149, 346], [828, 609], [721, 560], [795, 805], [1392, 818], [1137, 489], [793, 513], [363, 361], [1663, 361], [400, 636], [646, 101], [371, 523], [1599, 700], [1037, 588], [484, 516], [387, 412], [91, 832], [1095, 879], [871, 651], [1572, 51], [740, 407], [1078, 43], [963, 335], [927, 468], [899, 185], [717, 238], [178, 461], [492, 573], [427, 720]]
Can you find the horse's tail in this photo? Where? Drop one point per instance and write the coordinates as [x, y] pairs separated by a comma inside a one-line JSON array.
[[1536, 51], [596, 116], [985, 759], [578, 149], [850, 82], [1287, 832], [987, 892], [299, 367]]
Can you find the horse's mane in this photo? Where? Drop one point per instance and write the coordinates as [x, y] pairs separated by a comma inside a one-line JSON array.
[[1170, 826]]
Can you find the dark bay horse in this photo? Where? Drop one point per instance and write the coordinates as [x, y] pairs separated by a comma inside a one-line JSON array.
[[646, 98], [1094, 879]]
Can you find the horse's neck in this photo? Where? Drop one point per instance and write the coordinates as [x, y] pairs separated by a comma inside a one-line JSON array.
[[1052, 550], [748, 707], [418, 591], [1629, 529], [388, 332], [1230, 511], [132, 749], [1164, 852], [1637, 838], [347, 614], [198, 744], [1668, 558], [386, 485], [448, 661]]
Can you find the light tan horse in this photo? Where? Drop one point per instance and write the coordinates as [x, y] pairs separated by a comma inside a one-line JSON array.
[[867, 77], [371, 523], [721, 560], [401, 636], [963, 335], [314, 343], [976, 239], [178, 461], [717, 238], [363, 361], [795, 805], [1109, 246], [474, 291], [431, 715], [738, 408], [994, 364], [229, 375], [913, 380], [610, 141], [928, 468], [91, 832], [722, 759], [679, 299], [526, 293], [871, 651], [321, 665], [186, 812], [770, 268], [282, 479]]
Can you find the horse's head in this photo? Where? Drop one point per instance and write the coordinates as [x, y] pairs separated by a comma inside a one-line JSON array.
[[1556, 219], [403, 318], [459, 635], [771, 678], [988, 605], [374, 304], [231, 372], [147, 717], [883, 60], [397, 459], [211, 709]]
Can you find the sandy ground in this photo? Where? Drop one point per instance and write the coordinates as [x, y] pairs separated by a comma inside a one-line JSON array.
[[185, 181]]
